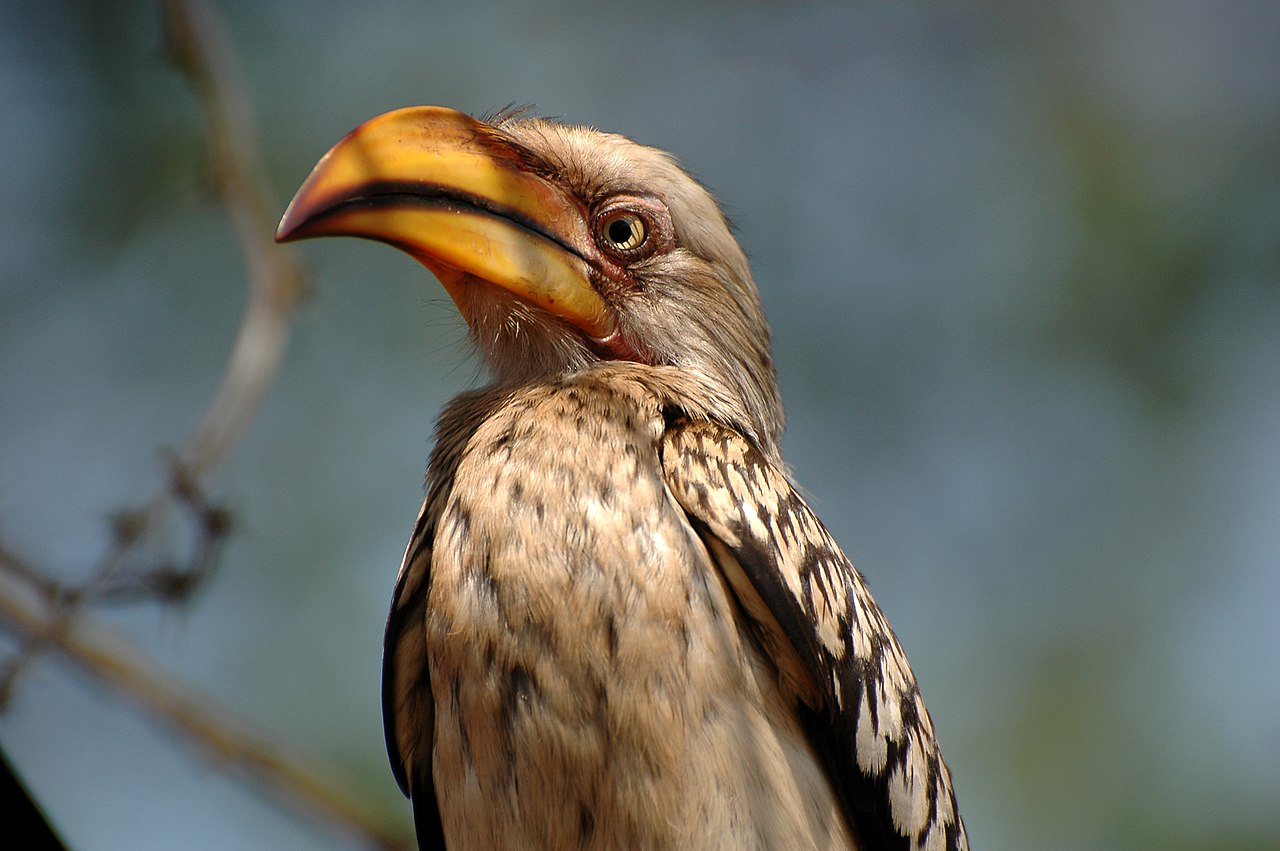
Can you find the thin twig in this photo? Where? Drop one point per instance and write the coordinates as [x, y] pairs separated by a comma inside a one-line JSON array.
[[115, 662], [47, 614], [196, 43]]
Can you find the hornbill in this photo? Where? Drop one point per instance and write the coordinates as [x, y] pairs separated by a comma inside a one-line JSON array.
[[617, 623]]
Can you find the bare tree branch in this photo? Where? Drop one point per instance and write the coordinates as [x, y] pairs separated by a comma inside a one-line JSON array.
[[197, 45], [111, 660], [46, 614]]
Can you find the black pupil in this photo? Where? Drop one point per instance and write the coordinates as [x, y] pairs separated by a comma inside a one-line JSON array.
[[621, 231]]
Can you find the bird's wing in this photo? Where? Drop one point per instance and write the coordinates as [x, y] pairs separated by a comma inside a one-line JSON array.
[[812, 613], [408, 713]]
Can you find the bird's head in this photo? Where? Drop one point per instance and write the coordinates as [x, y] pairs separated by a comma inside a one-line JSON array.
[[562, 246]]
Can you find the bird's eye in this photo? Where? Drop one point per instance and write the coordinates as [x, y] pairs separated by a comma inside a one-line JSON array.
[[623, 231]]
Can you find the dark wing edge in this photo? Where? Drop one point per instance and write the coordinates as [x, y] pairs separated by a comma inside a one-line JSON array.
[[863, 703], [408, 713]]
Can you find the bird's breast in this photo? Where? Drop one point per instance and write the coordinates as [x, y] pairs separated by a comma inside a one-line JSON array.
[[591, 683]]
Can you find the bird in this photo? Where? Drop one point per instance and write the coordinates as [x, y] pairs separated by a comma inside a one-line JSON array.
[[617, 623]]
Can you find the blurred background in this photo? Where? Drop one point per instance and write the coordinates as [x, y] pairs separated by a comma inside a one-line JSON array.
[[1022, 263]]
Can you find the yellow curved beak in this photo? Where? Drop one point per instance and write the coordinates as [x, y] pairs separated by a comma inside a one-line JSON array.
[[450, 191]]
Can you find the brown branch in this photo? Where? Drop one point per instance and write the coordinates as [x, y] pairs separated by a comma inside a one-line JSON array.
[[46, 614], [116, 663], [196, 43], [127, 570]]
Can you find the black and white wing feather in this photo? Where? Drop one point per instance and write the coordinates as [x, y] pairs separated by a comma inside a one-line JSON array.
[[813, 614]]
